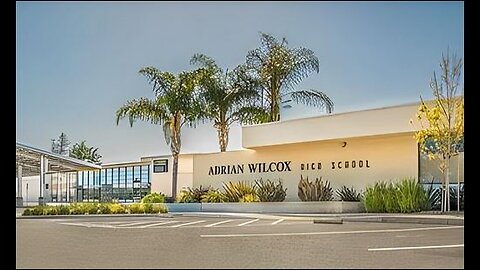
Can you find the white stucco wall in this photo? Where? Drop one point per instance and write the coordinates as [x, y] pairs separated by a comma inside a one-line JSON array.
[[389, 157], [162, 182], [378, 121]]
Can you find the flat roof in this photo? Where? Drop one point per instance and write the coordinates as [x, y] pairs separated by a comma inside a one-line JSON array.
[[29, 158]]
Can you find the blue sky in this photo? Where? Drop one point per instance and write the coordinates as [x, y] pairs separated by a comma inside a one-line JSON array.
[[78, 62]]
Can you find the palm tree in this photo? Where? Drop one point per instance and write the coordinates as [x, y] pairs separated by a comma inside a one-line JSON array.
[[83, 152], [227, 97], [175, 104], [280, 69]]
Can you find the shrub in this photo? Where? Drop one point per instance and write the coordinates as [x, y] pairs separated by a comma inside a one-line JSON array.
[[453, 198], [349, 194], [136, 208], [405, 196], [50, 211], [314, 191], [185, 196], [38, 210], [104, 208], [249, 198], [159, 208], [192, 195], [235, 191], [267, 191], [411, 195], [63, 210], [213, 196], [374, 197], [27, 212], [433, 197], [154, 198], [116, 208]]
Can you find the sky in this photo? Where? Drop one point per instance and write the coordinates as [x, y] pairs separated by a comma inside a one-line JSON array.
[[78, 62]]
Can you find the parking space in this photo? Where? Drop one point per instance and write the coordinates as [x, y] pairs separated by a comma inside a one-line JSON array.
[[175, 222], [233, 242]]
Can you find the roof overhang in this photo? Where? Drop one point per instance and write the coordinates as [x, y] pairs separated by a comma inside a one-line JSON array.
[[29, 158]]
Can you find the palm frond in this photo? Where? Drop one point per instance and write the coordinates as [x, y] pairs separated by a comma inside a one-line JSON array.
[[205, 61], [312, 98], [250, 115], [143, 109], [162, 81], [304, 63]]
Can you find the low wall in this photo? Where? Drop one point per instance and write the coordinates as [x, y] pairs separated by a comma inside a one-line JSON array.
[[270, 207]]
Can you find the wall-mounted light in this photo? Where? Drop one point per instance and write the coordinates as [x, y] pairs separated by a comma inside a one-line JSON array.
[[344, 144]]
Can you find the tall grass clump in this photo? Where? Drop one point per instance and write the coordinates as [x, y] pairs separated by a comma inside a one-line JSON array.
[[405, 196]]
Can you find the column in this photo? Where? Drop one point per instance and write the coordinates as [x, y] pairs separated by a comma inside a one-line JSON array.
[[19, 187], [41, 200]]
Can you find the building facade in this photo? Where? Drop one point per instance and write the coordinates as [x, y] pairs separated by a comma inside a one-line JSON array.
[[354, 149]]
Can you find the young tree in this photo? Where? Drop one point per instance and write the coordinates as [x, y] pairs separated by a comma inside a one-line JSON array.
[[280, 69], [175, 104], [61, 145], [83, 152], [441, 133], [227, 97]]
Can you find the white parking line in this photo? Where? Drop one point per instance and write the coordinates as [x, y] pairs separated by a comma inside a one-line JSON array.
[[278, 221], [133, 224], [331, 233], [410, 248], [158, 224], [189, 223], [88, 225], [248, 222], [218, 223]]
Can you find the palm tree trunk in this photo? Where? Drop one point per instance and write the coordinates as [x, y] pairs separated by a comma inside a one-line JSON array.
[[222, 132], [275, 102], [174, 176], [175, 146]]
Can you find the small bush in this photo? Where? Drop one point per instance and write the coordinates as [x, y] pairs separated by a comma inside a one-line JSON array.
[[314, 191], [213, 196], [160, 208], [50, 211], [268, 191], [104, 208], [63, 210], [349, 194], [405, 196], [433, 197], [249, 198], [38, 210], [235, 191], [154, 198], [116, 208], [185, 196], [27, 212], [136, 208], [411, 196]]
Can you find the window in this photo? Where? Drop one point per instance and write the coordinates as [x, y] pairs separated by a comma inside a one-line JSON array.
[[160, 166]]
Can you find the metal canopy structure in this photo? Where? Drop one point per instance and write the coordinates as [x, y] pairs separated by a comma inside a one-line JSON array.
[[29, 158], [31, 161]]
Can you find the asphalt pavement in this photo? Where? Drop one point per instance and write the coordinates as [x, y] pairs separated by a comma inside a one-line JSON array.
[[232, 240]]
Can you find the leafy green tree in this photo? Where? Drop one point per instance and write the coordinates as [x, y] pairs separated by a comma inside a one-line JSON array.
[[61, 145], [442, 121], [83, 152], [176, 103], [227, 97], [279, 69]]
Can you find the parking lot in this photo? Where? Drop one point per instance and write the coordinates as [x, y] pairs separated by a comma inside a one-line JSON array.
[[233, 242]]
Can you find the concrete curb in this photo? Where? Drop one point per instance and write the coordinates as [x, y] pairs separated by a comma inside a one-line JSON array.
[[415, 220], [90, 216], [328, 221]]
